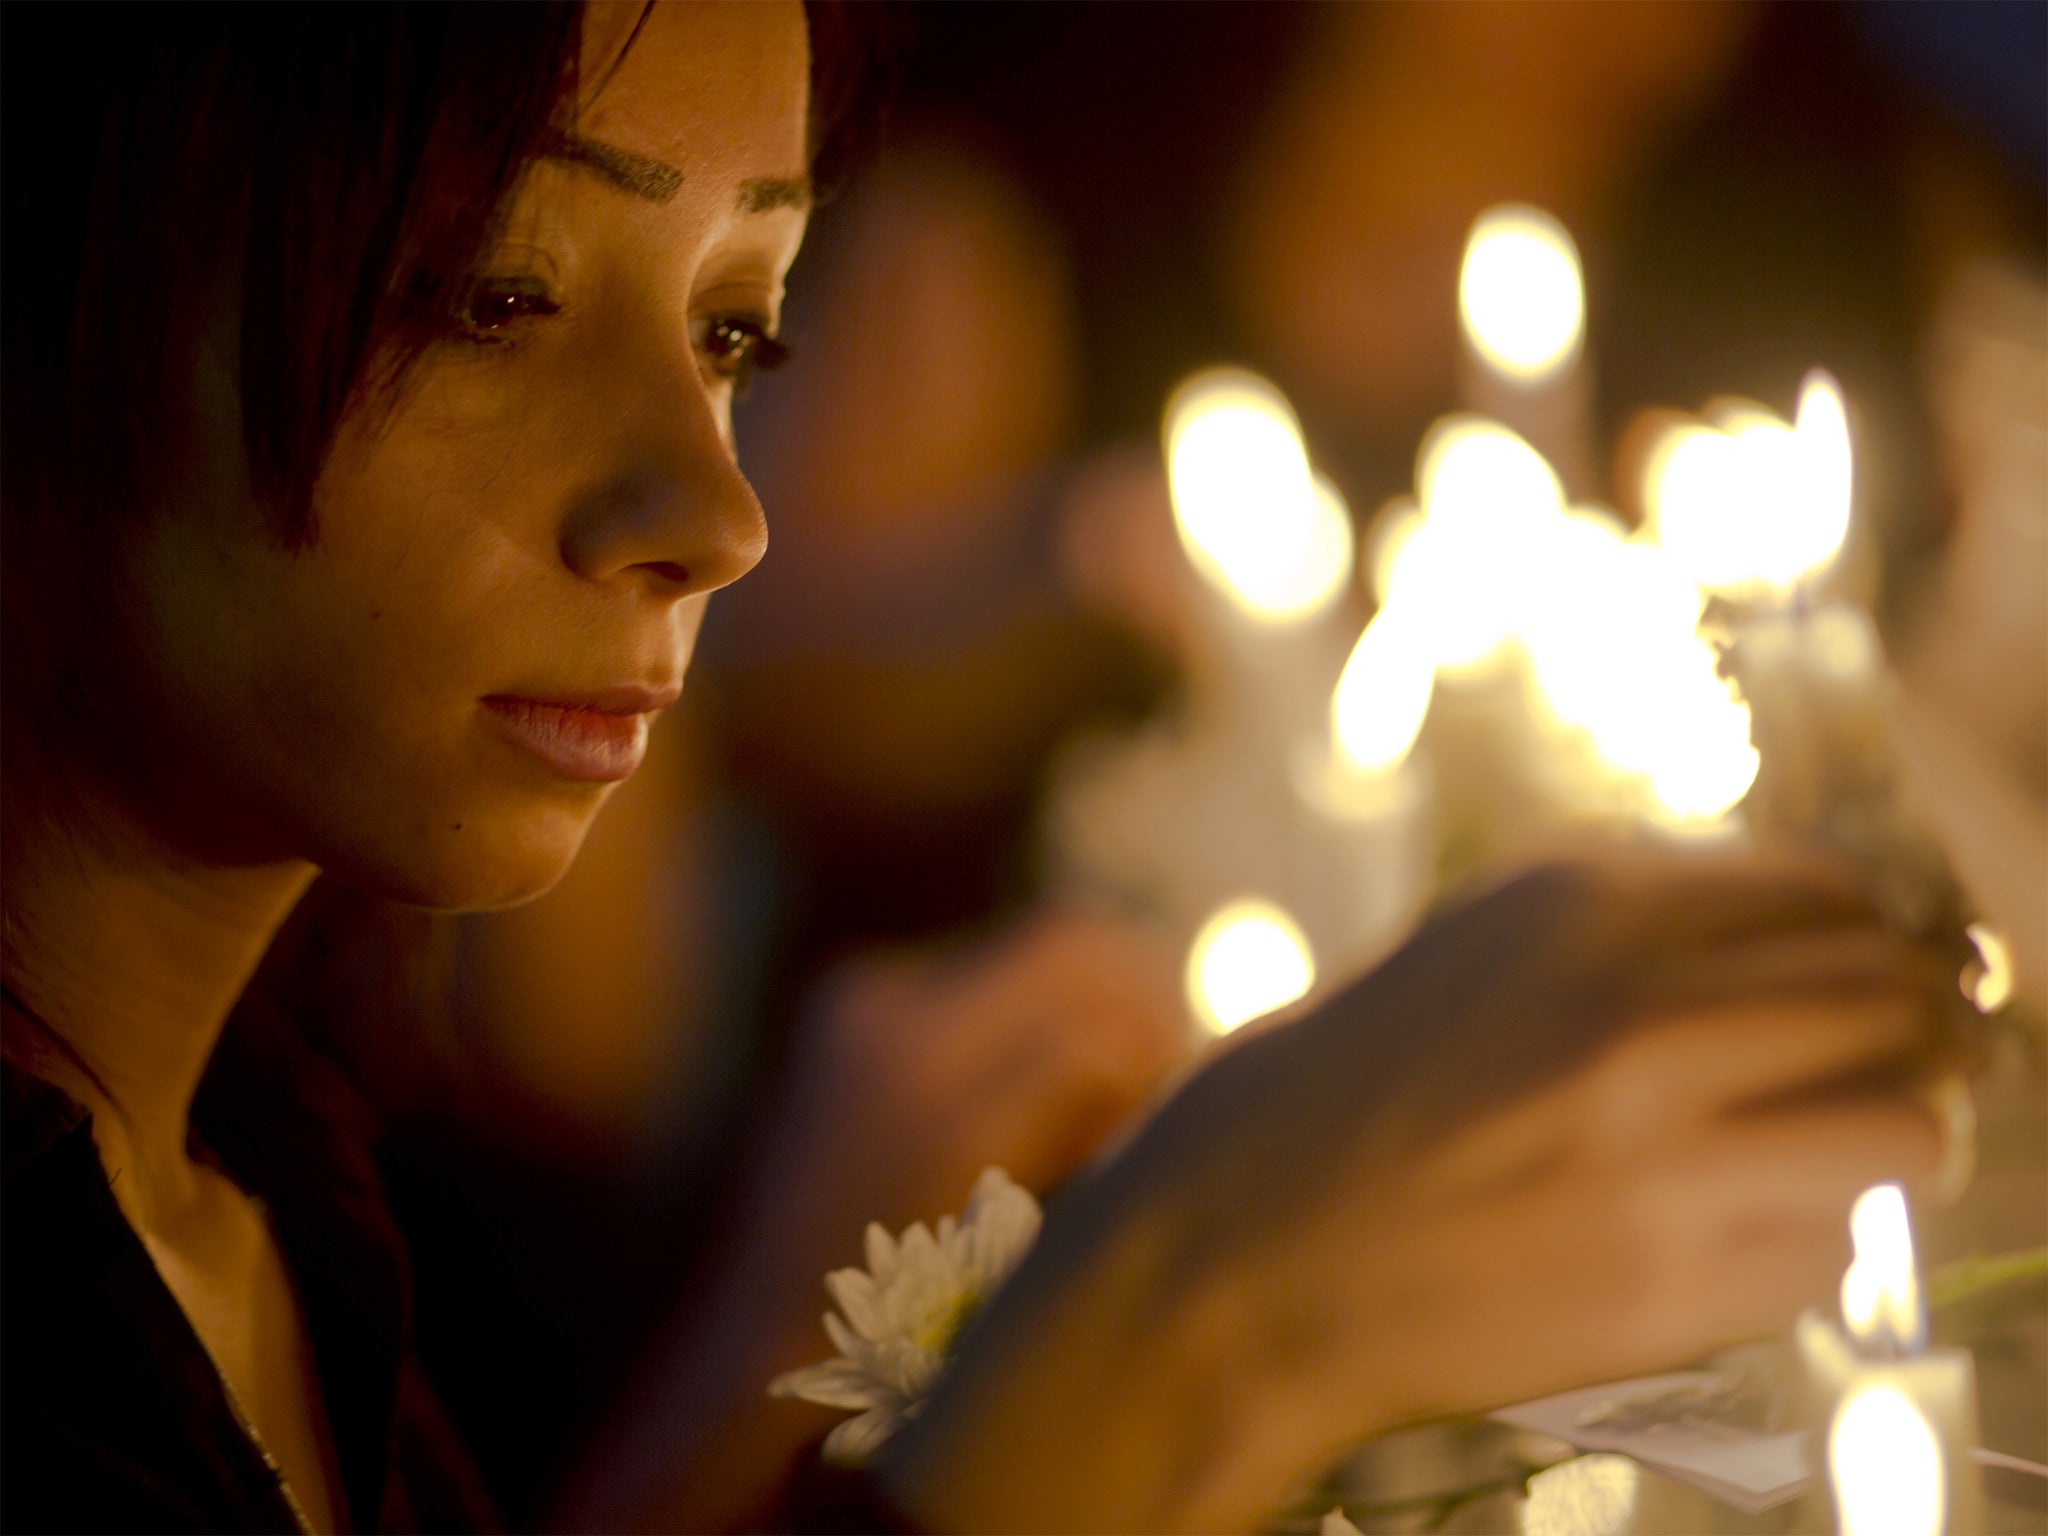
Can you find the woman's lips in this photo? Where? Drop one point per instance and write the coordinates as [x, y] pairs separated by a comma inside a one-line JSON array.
[[584, 742]]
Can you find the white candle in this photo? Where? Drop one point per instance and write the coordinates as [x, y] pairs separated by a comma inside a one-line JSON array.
[[1885, 1464], [1522, 308], [1875, 1472]]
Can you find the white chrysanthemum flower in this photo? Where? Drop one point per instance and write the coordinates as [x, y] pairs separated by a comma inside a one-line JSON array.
[[897, 1317], [1585, 1496]]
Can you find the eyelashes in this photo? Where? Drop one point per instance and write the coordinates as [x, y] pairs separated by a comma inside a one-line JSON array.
[[489, 310], [498, 311], [738, 346]]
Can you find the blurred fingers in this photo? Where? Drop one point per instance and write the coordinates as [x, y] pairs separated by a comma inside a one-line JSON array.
[[1732, 1234], [1662, 1079], [1725, 897], [1847, 959]]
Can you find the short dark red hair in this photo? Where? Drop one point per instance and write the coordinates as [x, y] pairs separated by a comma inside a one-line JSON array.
[[338, 168]]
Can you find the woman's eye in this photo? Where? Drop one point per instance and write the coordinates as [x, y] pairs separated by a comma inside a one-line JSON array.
[[737, 345], [492, 307]]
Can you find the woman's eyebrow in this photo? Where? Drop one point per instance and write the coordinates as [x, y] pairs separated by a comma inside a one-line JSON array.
[[657, 181], [764, 194]]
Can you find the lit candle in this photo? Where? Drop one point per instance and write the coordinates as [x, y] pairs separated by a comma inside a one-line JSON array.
[[1271, 544], [1885, 1465], [1522, 309], [1871, 1386], [1756, 508], [1368, 857], [1757, 511], [1266, 534]]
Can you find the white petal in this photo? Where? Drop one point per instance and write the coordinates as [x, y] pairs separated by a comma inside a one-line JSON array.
[[855, 1293], [881, 1250], [852, 1443], [917, 1370], [1002, 1222], [918, 1249], [1337, 1523], [843, 1338], [836, 1384]]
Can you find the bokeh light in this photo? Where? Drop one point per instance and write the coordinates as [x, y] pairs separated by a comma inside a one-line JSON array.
[[1487, 498], [1383, 693], [1249, 959], [1520, 293], [1393, 533], [1749, 504], [1253, 519], [1610, 630]]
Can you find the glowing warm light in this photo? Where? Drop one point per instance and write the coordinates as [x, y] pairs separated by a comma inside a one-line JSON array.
[[1704, 774], [1881, 1289], [1488, 500], [1586, 1496], [1826, 474], [1990, 988], [1698, 505], [1520, 293], [1392, 537], [1751, 504], [1473, 470], [1886, 1464], [1252, 518], [1609, 628], [1383, 693], [1331, 550], [1248, 960], [1600, 519]]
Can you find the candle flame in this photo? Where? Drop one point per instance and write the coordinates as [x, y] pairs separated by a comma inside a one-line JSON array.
[[1827, 474], [1885, 1460], [1253, 519], [1751, 504], [1881, 1288], [1520, 293], [1610, 629], [1249, 959], [1487, 500], [1383, 694]]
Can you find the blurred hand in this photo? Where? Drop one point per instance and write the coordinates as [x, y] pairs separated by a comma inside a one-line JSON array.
[[1599, 1121], [915, 1072], [1027, 1052]]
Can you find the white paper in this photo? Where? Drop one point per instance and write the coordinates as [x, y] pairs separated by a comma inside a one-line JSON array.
[[1749, 1469]]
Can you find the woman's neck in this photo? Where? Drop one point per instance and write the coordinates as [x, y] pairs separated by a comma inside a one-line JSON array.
[[132, 955]]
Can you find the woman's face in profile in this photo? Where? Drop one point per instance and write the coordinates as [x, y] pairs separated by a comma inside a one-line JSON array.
[[435, 697]]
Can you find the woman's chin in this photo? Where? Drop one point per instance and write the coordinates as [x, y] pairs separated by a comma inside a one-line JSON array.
[[471, 865]]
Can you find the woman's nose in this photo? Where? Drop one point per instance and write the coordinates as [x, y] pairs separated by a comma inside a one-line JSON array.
[[674, 511]]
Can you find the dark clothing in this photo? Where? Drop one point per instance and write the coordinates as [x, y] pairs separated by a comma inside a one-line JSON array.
[[112, 1416]]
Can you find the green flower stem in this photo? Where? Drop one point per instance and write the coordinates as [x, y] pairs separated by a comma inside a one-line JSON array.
[[1976, 1275]]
